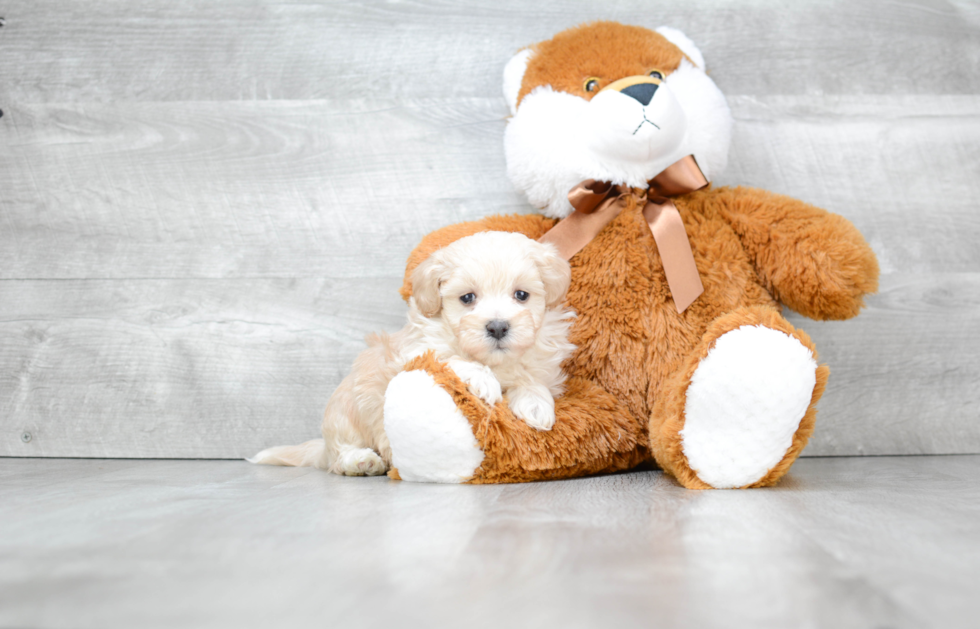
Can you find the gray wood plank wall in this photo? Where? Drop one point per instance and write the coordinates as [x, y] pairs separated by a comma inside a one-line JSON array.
[[204, 206]]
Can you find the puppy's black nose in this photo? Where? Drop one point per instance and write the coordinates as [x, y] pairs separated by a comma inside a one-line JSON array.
[[498, 329], [642, 92]]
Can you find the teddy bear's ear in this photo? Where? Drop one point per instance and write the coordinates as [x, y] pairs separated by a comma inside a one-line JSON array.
[[682, 41], [425, 285], [514, 76]]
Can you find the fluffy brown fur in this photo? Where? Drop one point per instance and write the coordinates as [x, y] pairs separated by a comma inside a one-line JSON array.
[[636, 354], [594, 434], [749, 245], [604, 50]]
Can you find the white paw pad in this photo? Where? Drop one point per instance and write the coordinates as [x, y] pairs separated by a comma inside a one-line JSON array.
[[479, 380], [430, 439], [536, 408], [744, 404], [361, 462]]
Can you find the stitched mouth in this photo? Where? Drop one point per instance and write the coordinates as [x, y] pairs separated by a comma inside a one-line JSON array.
[[645, 121]]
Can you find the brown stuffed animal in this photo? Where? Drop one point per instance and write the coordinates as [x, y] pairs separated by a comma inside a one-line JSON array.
[[683, 355]]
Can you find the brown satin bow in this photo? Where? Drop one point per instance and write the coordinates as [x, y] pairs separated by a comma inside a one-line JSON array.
[[596, 203]]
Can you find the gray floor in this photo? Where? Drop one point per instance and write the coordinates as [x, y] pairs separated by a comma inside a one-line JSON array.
[[843, 542]]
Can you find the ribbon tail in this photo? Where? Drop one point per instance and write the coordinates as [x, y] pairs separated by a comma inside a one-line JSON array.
[[675, 251], [576, 230], [681, 177]]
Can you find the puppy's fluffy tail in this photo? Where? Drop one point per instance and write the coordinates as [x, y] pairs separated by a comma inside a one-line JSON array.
[[307, 454]]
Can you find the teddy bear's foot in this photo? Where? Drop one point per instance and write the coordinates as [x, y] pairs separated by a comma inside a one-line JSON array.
[[746, 404], [430, 439]]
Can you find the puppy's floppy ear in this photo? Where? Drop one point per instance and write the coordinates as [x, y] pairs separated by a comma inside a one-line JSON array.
[[555, 273], [425, 285]]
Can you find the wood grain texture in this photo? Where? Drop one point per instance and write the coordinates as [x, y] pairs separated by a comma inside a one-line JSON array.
[[282, 189], [904, 375], [196, 50], [205, 206], [347, 188], [842, 543], [902, 168], [224, 368], [177, 368]]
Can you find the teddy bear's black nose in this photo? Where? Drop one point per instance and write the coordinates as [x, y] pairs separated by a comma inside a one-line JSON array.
[[498, 329], [642, 92]]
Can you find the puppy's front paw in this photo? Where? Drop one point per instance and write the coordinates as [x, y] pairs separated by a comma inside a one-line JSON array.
[[534, 405], [361, 462], [479, 379]]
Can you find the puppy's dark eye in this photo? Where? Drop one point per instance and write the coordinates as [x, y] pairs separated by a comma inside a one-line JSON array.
[[521, 295], [591, 84], [656, 74], [467, 298]]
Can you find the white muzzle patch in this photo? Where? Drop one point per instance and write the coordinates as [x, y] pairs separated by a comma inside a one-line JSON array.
[[621, 130]]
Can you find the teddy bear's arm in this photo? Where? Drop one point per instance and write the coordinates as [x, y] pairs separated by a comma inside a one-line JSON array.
[[815, 262], [531, 225]]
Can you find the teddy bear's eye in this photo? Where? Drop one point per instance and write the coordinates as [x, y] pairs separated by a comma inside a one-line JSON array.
[[591, 84], [656, 74], [467, 298]]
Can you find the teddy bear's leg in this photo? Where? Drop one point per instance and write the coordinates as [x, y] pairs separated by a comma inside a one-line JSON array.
[[441, 432], [740, 410]]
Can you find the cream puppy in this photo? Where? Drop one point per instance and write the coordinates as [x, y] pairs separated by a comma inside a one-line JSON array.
[[490, 306]]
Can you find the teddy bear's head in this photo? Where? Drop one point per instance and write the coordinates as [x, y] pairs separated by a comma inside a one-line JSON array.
[[609, 102]]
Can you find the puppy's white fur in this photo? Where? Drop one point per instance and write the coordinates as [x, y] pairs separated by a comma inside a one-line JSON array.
[[497, 269]]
